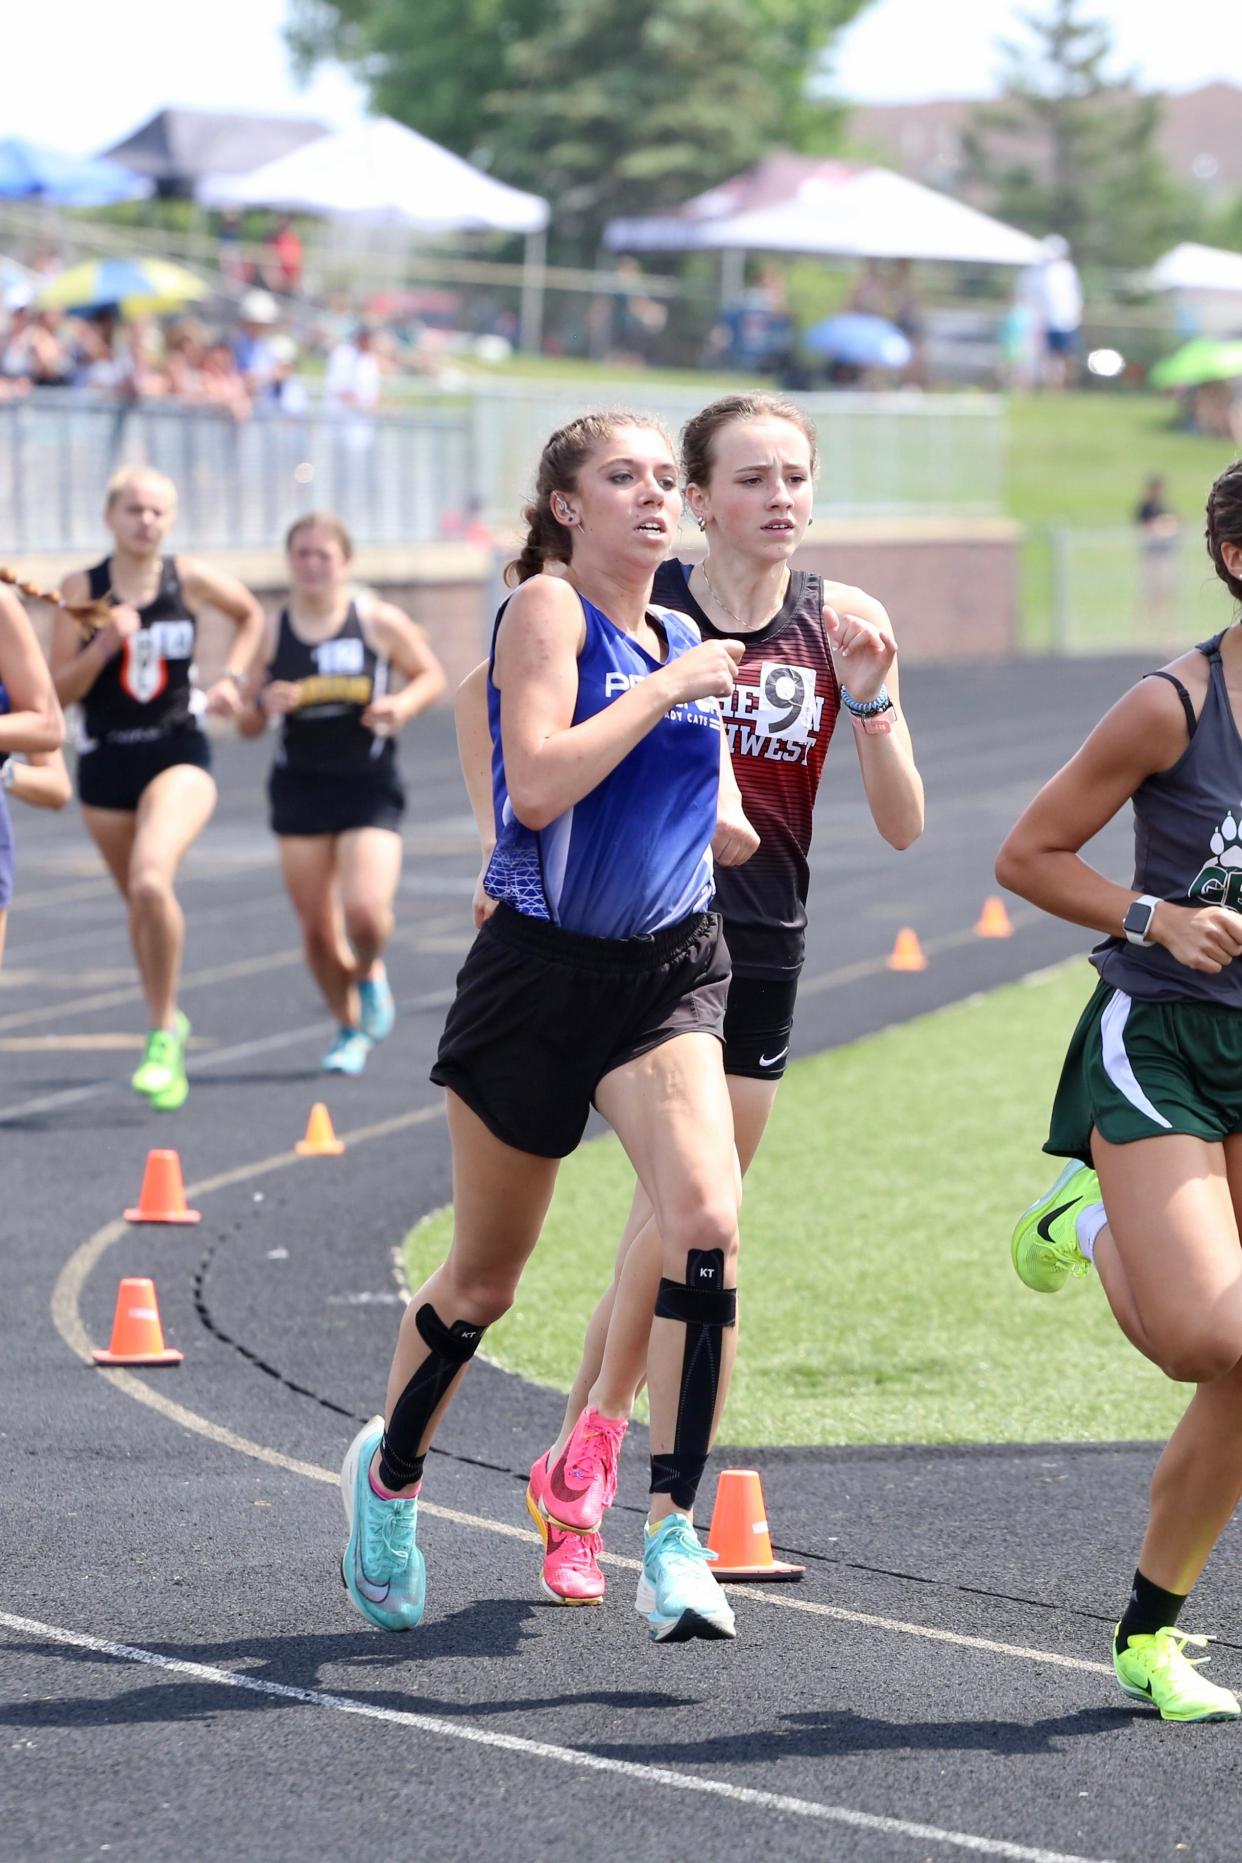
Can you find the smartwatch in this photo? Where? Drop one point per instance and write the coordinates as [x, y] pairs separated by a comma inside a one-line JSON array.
[[1137, 921]]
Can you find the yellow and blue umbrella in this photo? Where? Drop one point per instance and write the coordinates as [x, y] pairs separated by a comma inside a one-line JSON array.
[[141, 287]]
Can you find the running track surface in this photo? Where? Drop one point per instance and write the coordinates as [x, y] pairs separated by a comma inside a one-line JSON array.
[[183, 1675]]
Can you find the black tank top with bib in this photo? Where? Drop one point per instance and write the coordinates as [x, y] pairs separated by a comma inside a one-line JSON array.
[[338, 678], [145, 691]]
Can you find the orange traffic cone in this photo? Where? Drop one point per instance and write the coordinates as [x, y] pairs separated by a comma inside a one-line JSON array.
[[739, 1531], [162, 1197], [137, 1336], [907, 953], [994, 920], [321, 1140]]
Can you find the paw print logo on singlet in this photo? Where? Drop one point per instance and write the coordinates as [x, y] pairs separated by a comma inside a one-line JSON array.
[[1219, 880]]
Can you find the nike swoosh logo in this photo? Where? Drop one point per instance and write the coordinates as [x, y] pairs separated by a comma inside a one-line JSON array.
[[1044, 1225], [376, 1593], [770, 1060]]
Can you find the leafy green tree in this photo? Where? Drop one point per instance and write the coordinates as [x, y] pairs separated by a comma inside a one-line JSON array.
[[1071, 149], [606, 106]]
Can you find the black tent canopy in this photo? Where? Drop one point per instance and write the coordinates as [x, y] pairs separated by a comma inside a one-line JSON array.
[[179, 149]]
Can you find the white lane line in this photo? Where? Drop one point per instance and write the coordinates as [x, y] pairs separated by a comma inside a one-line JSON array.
[[219, 1057], [67, 1318], [543, 1749]]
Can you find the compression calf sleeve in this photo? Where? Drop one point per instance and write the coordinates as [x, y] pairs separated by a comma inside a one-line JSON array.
[[450, 1347], [704, 1306]]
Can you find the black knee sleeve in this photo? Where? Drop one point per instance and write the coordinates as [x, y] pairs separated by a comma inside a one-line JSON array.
[[451, 1347], [704, 1306]]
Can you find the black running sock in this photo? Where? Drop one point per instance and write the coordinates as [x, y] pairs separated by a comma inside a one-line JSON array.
[[1150, 1609]]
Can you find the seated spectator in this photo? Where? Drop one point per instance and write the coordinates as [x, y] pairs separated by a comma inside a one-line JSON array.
[[222, 384], [252, 346], [353, 378], [285, 391], [183, 360], [282, 259], [15, 335]]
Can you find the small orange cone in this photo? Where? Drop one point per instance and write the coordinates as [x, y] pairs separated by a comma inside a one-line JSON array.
[[162, 1197], [994, 920], [137, 1336], [321, 1140], [907, 953], [739, 1531]]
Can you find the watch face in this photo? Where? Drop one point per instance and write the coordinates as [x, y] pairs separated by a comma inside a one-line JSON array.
[[1137, 919]]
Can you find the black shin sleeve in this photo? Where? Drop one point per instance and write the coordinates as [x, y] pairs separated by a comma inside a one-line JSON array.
[[451, 1347], [705, 1307]]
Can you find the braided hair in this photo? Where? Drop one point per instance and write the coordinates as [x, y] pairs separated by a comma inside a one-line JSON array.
[[562, 459], [1224, 524]]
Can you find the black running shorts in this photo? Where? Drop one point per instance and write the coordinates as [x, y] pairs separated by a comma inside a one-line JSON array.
[[758, 1026], [113, 775], [304, 802], [541, 1015]]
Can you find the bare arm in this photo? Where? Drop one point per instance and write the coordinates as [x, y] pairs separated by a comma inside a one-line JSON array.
[[551, 763], [866, 657], [734, 840], [42, 781], [1143, 733], [34, 720], [75, 668], [474, 748], [207, 587], [404, 643], [252, 718]]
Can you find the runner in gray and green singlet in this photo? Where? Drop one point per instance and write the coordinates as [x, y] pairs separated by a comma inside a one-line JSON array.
[[1151, 1094]]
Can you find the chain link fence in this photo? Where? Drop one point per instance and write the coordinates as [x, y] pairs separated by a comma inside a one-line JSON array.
[[1112, 590]]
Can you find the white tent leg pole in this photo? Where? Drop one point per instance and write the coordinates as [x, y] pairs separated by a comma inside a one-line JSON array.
[[533, 266], [732, 276]]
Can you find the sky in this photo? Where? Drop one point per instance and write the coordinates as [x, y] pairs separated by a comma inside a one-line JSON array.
[[230, 55]]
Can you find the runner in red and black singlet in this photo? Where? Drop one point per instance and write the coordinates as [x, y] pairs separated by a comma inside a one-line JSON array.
[[144, 762], [810, 650]]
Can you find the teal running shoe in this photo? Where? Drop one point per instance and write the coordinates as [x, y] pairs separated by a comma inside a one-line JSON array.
[[348, 1053], [383, 1570], [1157, 1669], [160, 1074], [1044, 1246], [378, 1009], [677, 1592]]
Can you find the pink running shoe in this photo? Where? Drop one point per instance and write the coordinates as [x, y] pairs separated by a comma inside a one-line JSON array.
[[582, 1483], [570, 1572]]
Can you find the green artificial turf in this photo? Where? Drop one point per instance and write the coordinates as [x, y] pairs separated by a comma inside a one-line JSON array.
[[878, 1298]]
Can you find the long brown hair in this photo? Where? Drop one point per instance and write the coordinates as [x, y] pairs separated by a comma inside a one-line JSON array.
[[562, 459], [1224, 523]]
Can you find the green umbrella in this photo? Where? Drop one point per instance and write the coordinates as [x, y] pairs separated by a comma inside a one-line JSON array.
[[1203, 359]]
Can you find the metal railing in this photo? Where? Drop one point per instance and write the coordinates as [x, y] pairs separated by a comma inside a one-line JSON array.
[[393, 478], [420, 475]]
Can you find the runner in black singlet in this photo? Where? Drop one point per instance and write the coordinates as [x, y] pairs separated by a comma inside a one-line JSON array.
[[335, 789], [30, 721], [144, 761]]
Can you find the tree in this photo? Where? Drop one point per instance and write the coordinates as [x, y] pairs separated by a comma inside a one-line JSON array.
[[606, 106], [1072, 150]]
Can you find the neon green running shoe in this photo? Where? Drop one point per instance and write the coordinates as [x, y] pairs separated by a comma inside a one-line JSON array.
[[1154, 1669], [1044, 1248], [161, 1072]]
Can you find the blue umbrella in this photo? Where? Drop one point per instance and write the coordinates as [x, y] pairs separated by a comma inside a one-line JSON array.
[[31, 172], [862, 341]]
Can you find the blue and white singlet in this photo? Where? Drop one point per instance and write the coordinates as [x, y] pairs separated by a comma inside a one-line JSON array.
[[634, 855]]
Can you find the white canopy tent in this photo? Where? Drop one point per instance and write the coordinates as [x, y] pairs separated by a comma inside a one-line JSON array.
[[806, 204], [383, 173], [1205, 284]]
